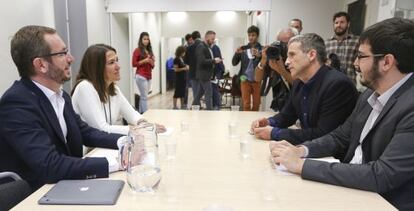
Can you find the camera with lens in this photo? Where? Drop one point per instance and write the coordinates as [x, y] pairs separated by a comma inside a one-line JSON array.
[[277, 50]]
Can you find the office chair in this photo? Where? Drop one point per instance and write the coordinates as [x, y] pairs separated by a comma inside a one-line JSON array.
[[11, 193]]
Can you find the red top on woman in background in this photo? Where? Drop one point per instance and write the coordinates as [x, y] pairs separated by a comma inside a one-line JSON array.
[[143, 68]]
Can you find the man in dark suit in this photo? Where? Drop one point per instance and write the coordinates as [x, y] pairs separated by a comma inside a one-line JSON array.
[[191, 59], [375, 144], [217, 75], [320, 98], [205, 69], [41, 137]]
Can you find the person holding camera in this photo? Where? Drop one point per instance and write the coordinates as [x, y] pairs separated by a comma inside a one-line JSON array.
[[249, 56], [320, 98], [271, 70]]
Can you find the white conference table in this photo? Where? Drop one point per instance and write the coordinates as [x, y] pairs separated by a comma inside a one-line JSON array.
[[208, 171]]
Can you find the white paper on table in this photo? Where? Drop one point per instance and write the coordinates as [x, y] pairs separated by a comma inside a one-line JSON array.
[[283, 170], [110, 154], [168, 131]]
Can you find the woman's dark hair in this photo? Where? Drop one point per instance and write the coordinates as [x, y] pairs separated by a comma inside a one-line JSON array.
[[180, 50], [335, 63], [92, 68], [142, 47]]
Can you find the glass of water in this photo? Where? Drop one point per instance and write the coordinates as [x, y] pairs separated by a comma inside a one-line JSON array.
[[170, 148], [185, 128], [142, 162], [232, 129], [235, 108], [245, 146], [195, 107]]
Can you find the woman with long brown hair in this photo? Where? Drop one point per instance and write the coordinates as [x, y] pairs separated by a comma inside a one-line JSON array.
[[96, 97]]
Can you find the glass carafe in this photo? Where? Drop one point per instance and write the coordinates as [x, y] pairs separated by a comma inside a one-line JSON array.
[[143, 169]]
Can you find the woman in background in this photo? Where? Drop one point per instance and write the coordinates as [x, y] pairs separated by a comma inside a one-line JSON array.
[[180, 69], [143, 60], [96, 97]]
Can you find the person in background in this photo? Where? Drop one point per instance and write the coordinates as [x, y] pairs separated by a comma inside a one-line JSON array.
[[343, 44], [249, 56], [375, 144], [191, 60], [96, 97], [217, 75], [297, 24], [205, 69], [189, 41], [143, 60], [180, 69], [41, 136]]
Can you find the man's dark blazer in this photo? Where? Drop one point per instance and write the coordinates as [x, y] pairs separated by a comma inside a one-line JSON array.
[[191, 58], [32, 143], [332, 99], [388, 150], [205, 62], [218, 68]]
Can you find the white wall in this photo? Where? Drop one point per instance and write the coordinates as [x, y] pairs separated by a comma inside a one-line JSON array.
[[151, 23], [186, 5], [316, 15], [225, 25], [120, 41], [97, 22], [14, 15]]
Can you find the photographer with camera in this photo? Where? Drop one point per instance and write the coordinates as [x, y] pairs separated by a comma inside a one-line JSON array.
[[320, 98], [271, 69], [249, 56]]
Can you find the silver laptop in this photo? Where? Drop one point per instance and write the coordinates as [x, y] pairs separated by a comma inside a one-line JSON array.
[[84, 192]]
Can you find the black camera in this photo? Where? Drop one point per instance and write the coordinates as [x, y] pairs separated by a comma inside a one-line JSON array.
[[277, 50], [245, 47]]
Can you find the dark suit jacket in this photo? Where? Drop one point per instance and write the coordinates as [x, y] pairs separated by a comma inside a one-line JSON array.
[[218, 68], [32, 142], [332, 99], [388, 150], [191, 59], [205, 63], [244, 59]]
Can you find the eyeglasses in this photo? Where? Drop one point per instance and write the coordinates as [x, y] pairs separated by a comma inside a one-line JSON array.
[[359, 56], [61, 53]]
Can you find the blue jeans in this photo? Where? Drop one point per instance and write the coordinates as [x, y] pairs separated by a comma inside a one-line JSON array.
[[143, 87]]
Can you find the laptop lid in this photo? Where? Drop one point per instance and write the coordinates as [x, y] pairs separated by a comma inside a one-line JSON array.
[[84, 192]]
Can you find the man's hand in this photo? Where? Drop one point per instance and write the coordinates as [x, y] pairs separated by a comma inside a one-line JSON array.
[[255, 52], [263, 122], [277, 65], [239, 50], [263, 132], [217, 60], [284, 153], [160, 128]]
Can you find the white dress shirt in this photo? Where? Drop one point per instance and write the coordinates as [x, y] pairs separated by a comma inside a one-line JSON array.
[[58, 104], [377, 103]]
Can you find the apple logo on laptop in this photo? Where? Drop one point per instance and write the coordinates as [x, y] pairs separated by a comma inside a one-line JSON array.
[[84, 189]]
